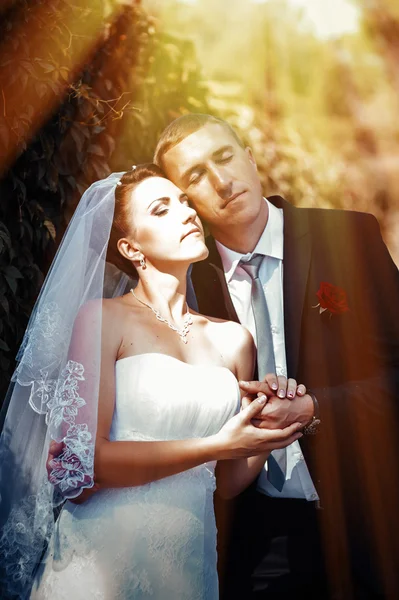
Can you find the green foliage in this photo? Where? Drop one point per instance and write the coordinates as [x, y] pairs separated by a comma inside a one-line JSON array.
[[87, 88], [320, 113], [132, 81], [168, 83]]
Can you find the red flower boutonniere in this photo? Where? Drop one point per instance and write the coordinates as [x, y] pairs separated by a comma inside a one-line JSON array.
[[331, 298]]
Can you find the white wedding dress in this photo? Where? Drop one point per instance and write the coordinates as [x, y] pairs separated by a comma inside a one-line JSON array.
[[156, 541]]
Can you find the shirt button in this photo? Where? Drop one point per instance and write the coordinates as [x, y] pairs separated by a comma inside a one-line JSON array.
[[274, 329], [313, 496], [279, 370], [301, 457]]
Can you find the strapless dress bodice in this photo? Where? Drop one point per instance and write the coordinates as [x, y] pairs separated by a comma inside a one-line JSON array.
[[155, 541], [159, 397]]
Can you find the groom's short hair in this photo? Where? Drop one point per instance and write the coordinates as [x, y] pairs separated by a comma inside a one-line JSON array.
[[184, 126]]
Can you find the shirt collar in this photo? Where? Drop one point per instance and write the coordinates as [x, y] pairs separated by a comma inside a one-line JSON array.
[[270, 243]]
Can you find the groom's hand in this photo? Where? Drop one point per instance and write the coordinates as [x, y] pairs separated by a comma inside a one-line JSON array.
[[280, 412], [274, 385]]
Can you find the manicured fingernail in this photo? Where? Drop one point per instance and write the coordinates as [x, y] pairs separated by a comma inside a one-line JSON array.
[[301, 389], [244, 383], [290, 395], [274, 386], [281, 393], [261, 399]]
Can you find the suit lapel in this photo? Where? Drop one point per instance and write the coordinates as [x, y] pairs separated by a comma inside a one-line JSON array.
[[297, 253], [215, 263]]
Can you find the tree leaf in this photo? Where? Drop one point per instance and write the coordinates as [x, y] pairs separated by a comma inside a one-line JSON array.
[[4, 304], [78, 137], [48, 67], [5, 238], [11, 271], [3, 346], [50, 228], [96, 149], [12, 283], [41, 89]]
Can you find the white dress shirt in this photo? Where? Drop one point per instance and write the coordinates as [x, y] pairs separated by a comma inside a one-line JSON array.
[[298, 482]]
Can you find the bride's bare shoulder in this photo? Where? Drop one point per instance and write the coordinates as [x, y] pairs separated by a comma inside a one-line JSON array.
[[118, 304], [232, 337], [108, 310]]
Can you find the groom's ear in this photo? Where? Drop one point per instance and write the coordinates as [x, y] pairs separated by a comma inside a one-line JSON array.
[[128, 250], [251, 157]]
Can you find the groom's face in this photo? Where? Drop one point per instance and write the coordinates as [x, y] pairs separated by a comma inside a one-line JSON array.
[[218, 175]]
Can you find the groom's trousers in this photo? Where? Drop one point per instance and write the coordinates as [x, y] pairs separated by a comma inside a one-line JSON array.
[[272, 549]]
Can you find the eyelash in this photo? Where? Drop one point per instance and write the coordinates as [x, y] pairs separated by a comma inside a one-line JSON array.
[[164, 210]]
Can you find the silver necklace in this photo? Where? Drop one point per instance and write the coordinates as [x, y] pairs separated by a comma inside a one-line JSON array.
[[188, 319]]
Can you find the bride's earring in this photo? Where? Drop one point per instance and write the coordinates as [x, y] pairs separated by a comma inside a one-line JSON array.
[[142, 263]]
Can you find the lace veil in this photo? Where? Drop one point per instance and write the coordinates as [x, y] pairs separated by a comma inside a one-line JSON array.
[[54, 390]]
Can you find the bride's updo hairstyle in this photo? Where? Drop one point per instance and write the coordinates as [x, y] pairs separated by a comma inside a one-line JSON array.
[[121, 225]]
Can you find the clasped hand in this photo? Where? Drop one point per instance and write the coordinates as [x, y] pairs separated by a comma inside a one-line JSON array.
[[272, 415], [287, 402]]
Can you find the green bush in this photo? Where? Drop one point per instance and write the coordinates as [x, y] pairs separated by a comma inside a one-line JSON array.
[[105, 117]]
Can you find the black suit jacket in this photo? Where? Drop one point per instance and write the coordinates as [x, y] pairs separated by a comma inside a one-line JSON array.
[[350, 360]]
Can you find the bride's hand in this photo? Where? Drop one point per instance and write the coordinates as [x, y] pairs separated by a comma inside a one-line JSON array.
[[239, 438], [274, 385]]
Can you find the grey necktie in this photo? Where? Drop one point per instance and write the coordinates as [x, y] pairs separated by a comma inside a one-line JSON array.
[[277, 461]]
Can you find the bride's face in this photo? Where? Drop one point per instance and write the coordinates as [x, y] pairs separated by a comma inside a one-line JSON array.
[[164, 227]]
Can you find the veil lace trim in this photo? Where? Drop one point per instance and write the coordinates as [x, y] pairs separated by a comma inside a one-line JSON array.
[[29, 526], [54, 391]]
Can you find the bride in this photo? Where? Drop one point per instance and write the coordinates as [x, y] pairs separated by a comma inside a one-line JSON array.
[[143, 394]]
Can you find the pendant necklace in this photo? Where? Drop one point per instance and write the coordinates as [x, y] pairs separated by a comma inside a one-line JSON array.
[[188, 319]]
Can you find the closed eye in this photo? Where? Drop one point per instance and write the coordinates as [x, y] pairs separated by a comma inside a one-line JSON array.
[[161, 207], [160, 212], [196, 178], [225, 159]]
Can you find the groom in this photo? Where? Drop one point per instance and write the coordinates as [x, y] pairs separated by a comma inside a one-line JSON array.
[[320, 289]]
